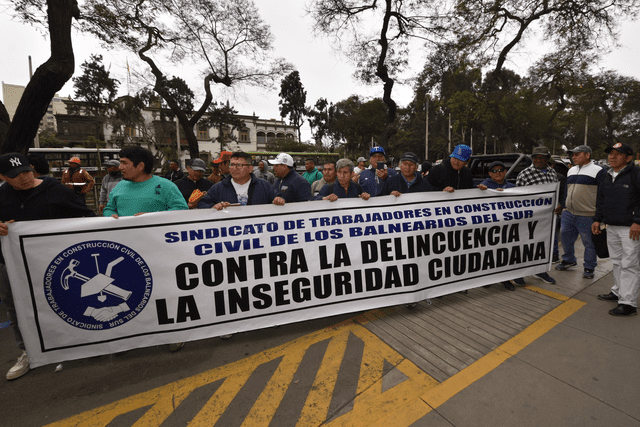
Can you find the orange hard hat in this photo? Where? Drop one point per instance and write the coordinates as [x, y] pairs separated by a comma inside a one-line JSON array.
[[74, 160]]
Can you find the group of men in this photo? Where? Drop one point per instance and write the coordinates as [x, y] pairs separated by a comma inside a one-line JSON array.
[[594, 197]]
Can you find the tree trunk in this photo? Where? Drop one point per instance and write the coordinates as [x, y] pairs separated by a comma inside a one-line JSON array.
[[49, 78]]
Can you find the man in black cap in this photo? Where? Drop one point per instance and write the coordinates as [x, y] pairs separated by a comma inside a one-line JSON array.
[[579, 208], [194, 181], [618, 206], [496, 180], [409, 180], [26, 198]]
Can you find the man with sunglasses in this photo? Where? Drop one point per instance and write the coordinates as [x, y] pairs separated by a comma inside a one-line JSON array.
[[240, 187], [496, 180]]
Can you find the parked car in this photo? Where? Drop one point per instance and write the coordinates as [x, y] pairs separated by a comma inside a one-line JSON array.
[[514, 162]]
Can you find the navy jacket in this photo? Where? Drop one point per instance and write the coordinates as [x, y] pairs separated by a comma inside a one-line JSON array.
[[618, 201], [260, 193], [355, 190], [444, 175], [398, 183], [293, 188]]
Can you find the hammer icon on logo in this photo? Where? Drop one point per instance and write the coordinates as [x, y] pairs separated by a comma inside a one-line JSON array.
[[98, 284]]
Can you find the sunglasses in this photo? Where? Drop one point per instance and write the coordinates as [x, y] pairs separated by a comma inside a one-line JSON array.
[[497, 170]]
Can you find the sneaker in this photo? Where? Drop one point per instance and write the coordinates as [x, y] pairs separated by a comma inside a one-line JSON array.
[[623, 310], [176, 347], [20, 368], [546, 278], [564, 265], [519, 281], [555, 259], [509, 286], [608, 297], [226, 337], [412, 305], [588, 273]]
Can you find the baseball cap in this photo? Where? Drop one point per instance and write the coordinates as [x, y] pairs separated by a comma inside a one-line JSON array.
[[461, 152], [225, 156], [496, 163], [282, 159], [411, 157], [376, 150], [541, 151], [198, 165], [361, 159], [581, 149], [112, 163], [622, 148], [13, 164]]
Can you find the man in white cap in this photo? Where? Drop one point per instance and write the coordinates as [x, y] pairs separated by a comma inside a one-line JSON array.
[[109, 181], [289, 186], [580, 207], [361, 165], [193, 181]]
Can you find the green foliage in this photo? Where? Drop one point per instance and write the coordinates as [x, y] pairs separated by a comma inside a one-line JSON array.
[[47, 139], [95, 85], [221, 116], [293, 99]]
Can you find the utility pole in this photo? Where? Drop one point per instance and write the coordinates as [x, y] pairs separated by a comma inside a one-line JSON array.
[[426, 135], [586, 130], [449, 147]]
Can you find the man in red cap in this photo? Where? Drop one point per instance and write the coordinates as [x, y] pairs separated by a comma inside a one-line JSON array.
[[77, 178]]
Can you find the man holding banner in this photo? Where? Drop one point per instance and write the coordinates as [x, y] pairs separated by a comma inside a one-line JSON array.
[[26, 198], [289, 186], [241, 188]]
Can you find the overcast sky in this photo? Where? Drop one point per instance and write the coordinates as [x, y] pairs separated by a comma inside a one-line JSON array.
[[323, 72]]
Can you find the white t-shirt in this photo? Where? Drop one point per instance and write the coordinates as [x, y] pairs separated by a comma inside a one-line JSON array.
[[242, 191]]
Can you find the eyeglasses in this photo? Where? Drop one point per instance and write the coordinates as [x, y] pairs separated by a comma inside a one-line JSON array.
[[238, 165], [497, 170]]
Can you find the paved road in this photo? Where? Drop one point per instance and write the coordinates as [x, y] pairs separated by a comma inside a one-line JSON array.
[[542, 355]]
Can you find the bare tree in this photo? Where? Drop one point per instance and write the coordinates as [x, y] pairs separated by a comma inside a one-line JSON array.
[[382, 54], [227, 39]]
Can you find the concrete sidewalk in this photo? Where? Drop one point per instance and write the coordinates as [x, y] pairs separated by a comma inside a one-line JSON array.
[[585, 371]]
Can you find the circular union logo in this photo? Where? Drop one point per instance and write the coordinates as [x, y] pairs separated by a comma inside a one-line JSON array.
[[97, 284]]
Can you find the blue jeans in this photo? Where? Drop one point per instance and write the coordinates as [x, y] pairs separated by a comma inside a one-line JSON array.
[[572, 226]]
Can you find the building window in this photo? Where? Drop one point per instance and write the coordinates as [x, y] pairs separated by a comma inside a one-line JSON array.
[[130, 132], [261, 138], [244, 135], [203, 132]]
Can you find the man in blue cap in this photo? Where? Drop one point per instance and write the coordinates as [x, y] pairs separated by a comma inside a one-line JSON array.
[[452, 174], [372, 178]]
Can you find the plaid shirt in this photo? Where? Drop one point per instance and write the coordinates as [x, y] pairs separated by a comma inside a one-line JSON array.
[[533, 176]]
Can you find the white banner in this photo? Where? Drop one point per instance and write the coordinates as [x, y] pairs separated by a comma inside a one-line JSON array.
[[92, 286]]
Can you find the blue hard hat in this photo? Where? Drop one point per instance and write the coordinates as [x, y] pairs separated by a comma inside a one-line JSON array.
[[377, 149], [462, 152]]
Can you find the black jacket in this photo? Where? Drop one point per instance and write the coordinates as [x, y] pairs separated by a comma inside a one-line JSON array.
[[444, 175], [618, 201], [49, 200]]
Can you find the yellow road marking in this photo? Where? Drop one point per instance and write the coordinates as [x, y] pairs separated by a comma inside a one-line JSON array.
[[437, 396], [402, 405]]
